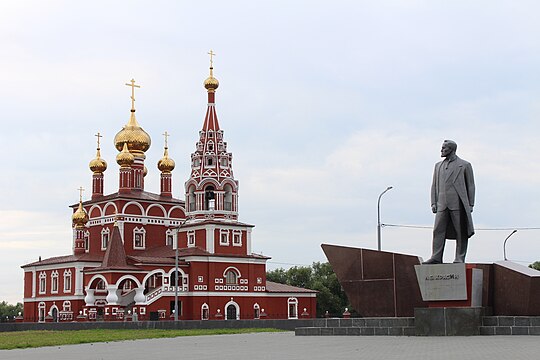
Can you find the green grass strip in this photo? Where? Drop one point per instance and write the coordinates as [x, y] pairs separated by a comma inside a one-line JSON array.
[[39, 338]]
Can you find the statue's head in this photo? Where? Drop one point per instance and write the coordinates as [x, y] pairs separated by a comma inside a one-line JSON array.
[[449, 147]]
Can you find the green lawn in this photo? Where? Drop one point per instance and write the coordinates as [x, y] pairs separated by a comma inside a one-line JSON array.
[[30, 339]]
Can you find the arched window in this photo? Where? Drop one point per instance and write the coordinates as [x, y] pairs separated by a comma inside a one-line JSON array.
[[205, 312], [42, 282], [66, 306], [172, 279], [227, 198], [192, 199], [231, 277], [209, 198], [256, 311], [86, 241], [169, 237], [139, 238], [54, 282], [100, 285], [67, 281], [293, 308], [41, 312], [105, 232]]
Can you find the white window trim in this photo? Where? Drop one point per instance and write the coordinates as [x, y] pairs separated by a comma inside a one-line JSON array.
[[67, 275], [235, 234], [226, 241], [205, 307], [235, 270], [191, 238], [66, 306], [86, 241], [42, 281], [257, 307], [292, 301], [172, 233], [105, 231], [139, 231], [54, 281]]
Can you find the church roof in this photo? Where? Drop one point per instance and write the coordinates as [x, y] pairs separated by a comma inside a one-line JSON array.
[[135, 195], [115, 255], [284, 288], [67, 259]]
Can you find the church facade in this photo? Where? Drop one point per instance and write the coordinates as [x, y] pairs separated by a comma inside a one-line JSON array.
[[150, 256]]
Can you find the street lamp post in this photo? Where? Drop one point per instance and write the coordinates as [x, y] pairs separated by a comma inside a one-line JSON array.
[[379, 218], [504, 245], [176, 270]]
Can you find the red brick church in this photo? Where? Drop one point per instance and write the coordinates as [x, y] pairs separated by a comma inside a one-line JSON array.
[[125, 262]]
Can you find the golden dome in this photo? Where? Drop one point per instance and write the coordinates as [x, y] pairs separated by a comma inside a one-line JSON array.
[[211, 83], [98, 165], [79, 217], [166, 164], [132, 134], [145, 171], [125, 158]]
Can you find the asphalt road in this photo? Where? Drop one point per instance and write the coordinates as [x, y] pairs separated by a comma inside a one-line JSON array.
[[287, 346]]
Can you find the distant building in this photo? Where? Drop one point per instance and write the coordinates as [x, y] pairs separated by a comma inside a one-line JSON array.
[[123, 260]]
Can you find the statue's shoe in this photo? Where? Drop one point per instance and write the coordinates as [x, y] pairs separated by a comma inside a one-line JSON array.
[[431, 262]]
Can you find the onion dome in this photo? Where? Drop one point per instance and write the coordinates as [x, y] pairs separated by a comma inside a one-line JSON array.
[[166, 164], [145, 171], [132, 134], [79, 217], [211, 83], [125, 158], [98, 165]]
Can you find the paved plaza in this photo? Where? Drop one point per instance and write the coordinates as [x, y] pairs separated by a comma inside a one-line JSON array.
[[287, 346]]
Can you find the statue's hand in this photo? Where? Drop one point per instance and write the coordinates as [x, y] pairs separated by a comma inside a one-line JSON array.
[[434, 208]]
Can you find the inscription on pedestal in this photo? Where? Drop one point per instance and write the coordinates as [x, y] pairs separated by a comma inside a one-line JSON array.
[[442, 282]]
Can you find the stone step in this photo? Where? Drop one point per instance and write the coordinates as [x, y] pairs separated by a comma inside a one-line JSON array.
[[382, 322], [355, 331]]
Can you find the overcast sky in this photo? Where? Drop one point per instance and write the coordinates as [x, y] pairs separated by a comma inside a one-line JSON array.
[[324, 104]]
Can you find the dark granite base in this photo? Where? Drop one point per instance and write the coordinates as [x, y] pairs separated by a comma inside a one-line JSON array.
[[448, 321]]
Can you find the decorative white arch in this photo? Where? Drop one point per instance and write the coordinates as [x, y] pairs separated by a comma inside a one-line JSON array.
[[229, 182], [203, 183], [133, 203], [130, 277], [232, 268], [190, 183], [50, 312], [97, 276], [205, 315], [152, 273], [92, 209], [292, 301], [107, 205], [164, 212], [232, 302], [174, 208]]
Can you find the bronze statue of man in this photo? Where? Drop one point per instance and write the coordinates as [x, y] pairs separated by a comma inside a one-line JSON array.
[[452, 201]]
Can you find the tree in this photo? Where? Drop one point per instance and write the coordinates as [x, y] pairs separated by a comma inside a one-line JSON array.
[[8, 311], [535, 265], [320, 277]]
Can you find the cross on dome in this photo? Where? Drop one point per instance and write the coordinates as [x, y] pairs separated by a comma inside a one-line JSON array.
[[166, 134], [98, 135], [212, 54], [81, 189], [133, 86]]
